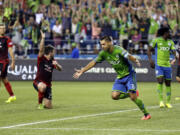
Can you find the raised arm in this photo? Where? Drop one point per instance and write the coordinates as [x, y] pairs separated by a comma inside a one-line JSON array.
[[84, 69], [41, 47]]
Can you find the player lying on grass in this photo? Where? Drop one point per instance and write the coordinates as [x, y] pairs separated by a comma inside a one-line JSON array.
[[163, 46], [125, 83], [45, 65]]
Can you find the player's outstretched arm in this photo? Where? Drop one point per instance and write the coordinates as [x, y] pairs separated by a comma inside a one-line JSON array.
[[57, 65], [12, 58], [150, 49], [78, 73], [41, 47], [135, 60]]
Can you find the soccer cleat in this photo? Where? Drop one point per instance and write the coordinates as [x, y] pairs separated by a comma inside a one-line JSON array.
[[137, 93], [161, 104], [168, 105], [40, 106], [11, 99], [146, 117], [177, 98]]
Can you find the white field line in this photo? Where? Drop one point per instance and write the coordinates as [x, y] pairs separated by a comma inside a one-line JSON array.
[[73, 118], [102, 129]]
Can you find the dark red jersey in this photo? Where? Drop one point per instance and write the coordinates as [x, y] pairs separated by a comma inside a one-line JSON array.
[[44, 70], [178, 50], [5, 42]]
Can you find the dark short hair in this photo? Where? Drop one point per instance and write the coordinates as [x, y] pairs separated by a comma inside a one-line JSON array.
[[48, 49], [162, 31], [106, 38]]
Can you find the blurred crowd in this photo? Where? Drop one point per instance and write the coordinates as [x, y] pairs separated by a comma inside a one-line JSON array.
[[131, 23]]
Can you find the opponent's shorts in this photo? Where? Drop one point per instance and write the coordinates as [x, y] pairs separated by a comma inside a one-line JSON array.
[[166, 72], [48, 91], [126, 84], [3, 69], [178, 71]]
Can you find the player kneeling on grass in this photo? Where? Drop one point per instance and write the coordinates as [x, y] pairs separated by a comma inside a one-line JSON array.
[[125, 84], [45, 65]]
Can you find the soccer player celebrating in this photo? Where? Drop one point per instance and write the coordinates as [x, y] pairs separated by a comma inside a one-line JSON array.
[[5, 47], [42, 82], [125, 84], [163, 46]]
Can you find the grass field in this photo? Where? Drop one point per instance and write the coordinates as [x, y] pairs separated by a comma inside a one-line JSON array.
[[86, 108]]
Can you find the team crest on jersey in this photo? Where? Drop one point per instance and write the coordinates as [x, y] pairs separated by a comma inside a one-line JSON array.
[[117, 56], [160, 44], [169, 44]]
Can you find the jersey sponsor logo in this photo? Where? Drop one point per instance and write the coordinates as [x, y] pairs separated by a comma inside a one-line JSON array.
[[164, 48], [48, 68]]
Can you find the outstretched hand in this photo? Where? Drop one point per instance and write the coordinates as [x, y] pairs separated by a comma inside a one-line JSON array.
[[77, 74]]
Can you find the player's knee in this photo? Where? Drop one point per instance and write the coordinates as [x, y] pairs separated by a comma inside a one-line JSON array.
[[115, 97], [133, 96], [48, 106], [41, 87], [178, 79]]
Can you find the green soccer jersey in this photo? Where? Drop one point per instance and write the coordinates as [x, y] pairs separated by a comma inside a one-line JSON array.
[[118, 60], [162, 51]]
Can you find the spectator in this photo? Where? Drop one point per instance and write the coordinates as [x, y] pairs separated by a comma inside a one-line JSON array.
[[96, 30], [57, 34], [88, 19], [75, 51], [68, 38], [136, 38]]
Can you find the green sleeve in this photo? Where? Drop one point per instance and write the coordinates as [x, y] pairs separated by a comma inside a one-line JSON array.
[[100, 57], [172, 45], [153, 43], [122, 52]]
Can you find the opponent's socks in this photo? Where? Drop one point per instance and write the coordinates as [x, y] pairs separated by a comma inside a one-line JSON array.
[[160, 91], [9, 89], [124, 95], [40, 97], [168, 94], [141, 106]]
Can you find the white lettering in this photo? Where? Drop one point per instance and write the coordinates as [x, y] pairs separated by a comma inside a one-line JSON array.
[[141, 70], [24, 76]]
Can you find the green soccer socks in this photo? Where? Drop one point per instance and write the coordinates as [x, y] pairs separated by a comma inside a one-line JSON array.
[[141, 106], [160, 91], [168, 94]]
